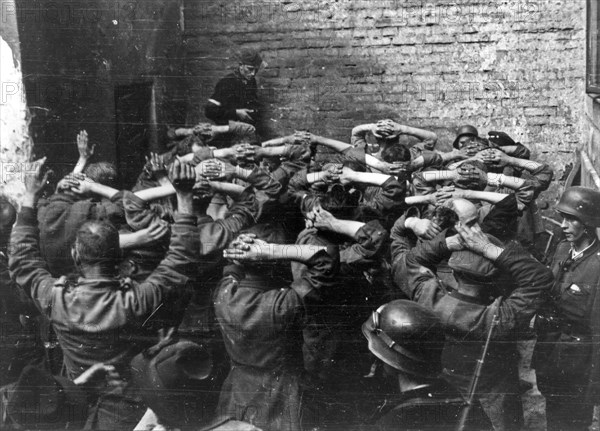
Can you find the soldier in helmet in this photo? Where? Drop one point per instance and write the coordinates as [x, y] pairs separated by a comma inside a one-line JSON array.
[[409, 338], [492, 279], [464, 135], [566, 356]]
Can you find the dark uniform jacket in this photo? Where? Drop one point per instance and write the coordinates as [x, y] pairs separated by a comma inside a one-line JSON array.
[[468, 320], [232, 93], [261, 320], [96, 320], [569, 329], [213, 236], [434, 407]]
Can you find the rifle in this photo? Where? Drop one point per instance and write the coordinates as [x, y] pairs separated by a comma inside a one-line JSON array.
[[476, 374]]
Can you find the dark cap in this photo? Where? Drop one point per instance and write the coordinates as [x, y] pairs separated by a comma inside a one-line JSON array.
[[250, 57], [464, 131], [46, 401], [173, 379]]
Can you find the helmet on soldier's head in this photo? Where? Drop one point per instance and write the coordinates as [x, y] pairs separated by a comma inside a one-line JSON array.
[[583, 203], [406, 336], [464, 131]]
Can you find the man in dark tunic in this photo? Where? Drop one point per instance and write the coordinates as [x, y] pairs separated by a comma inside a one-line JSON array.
[[261, 318], [567, 357], [235, 96]]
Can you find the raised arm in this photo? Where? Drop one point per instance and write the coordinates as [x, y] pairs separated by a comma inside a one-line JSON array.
[[335, 145], [373, 179], [322, 262], [86, 151], [494, 156], [359, 133], [88, 186], [324, 220], [532, 279], [180, 263], [430, 138], [491, 197], [27, 267], [247, 247]]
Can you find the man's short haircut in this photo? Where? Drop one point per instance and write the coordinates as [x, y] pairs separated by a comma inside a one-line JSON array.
[[8, 213], [395, 153], [444, 217], [185, 145], [340, 202], [97, 242], [102, 172]]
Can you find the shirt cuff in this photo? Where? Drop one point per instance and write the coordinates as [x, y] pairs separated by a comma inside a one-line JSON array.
[[188, 219]]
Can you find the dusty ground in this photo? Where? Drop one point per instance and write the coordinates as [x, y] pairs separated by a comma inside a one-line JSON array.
[[533, 401]]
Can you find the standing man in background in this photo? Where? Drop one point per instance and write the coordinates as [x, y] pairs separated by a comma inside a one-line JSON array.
[[235, 98]]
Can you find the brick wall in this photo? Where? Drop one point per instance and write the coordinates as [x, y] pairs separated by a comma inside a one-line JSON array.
[[507, 65]]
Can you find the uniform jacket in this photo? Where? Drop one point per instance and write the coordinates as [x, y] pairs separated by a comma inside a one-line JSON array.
[[97, 320], [569, 346], [467, 319], [232, 93], [261, 320], [334, 352], [434, 407]]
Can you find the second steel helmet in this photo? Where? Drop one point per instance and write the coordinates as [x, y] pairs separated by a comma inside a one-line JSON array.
[[464, 131], [406, 336], [583, 203]]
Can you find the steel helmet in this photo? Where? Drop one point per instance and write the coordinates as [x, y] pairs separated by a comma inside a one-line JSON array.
[[406, 336], [464, 131], [583, 203]]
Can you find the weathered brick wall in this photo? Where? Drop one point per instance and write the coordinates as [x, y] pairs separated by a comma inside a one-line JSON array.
[[506, 65]]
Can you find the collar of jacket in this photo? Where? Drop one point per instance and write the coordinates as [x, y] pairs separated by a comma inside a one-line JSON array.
[[590, 251], [116, 283], [260, 278], [477, 300]]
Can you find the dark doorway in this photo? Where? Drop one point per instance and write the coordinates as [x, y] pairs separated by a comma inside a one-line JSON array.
[[136, 129]]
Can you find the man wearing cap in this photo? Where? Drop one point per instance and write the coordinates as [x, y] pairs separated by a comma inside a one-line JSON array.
[[408, 339], [567, 357], [235, 98], [483, 267], [174, 378], [39, 400]]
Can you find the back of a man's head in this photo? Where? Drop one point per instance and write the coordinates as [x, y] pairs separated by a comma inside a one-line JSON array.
[[97, 243], [395, 153], [103, 173], [8, 216], [465, 210]]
